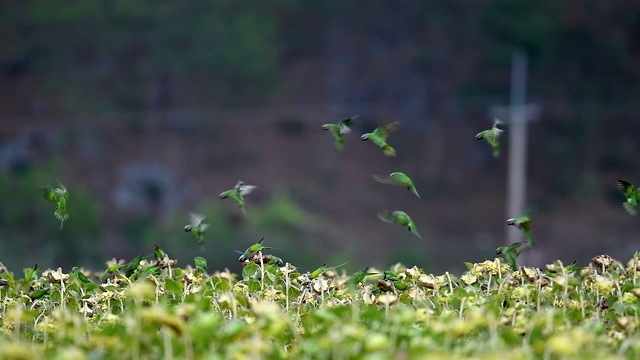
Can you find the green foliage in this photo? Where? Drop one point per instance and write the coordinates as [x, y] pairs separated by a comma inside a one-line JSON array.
[[278, 312]]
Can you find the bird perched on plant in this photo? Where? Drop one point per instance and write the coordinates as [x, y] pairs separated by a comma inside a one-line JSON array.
[[400, 218], [58, 196], [524, 224], [632, 194], [511, 252], [197, 227], [358, 277], [323, 269], [339, 130], [399, 179], [379, 137], [238, 193], [491, 136], [253, 250], [201, 263]]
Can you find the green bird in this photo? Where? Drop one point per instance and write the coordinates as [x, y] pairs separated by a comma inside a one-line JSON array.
[[323, 269], [151, 269], [491, 136], [524, 224], [358, 277], [197, 227], [511, 252], [80, 275], [379, 137], [158, 253], [339, 130], [110, 271], [38, 294], [201, 263], [253, 250], [633, 196], [238, 193], [399, 179], [133, 265], [400, 218], [58, 196]]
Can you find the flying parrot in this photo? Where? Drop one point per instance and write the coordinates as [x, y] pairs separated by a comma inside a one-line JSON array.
[[633, 196], [58, 196], [197, 227], [339, 130], [379, 137], [399, 179], [511, 252], [238, 193], [491, 136], [524, 224], [401, 218]]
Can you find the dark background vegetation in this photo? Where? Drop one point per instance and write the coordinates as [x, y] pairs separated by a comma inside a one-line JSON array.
[[147, 110]]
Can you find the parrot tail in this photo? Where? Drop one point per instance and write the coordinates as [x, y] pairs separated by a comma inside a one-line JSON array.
[[388, 150]]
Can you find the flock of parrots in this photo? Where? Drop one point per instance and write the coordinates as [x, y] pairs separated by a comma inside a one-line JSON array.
[[60, 196]]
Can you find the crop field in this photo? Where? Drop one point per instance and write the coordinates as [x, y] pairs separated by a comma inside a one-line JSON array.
[[152, 308]]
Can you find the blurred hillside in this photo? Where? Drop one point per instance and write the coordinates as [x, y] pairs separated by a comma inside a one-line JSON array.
[[147, 111]]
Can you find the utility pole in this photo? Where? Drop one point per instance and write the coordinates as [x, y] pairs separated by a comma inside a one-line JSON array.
[[518, 114]]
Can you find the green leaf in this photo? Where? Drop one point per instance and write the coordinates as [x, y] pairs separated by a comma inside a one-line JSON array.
[[251, 271], [172, 286]]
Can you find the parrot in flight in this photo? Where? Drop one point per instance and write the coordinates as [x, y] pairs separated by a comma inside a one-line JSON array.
[[339, 130], [491, 136], [511, 252], [379, 137], [399, 179], [58, 196], [401, 218], [197, 227], [524, 224], [238, 193], [632, 194]]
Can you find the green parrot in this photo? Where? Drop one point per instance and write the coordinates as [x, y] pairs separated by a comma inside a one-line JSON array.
[[80, 275], [151, 269], [110, 271], [524, 224], [358, 277], [401, 218], [633, 196], [158, 253], [323, 269], [399, 179], [238, 193], [38, 294], [511, 252], [133, 265], [253, 250], [58, 196], [491, 136], [339, 130], [379, 137], [201, 263], [197, 227]]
